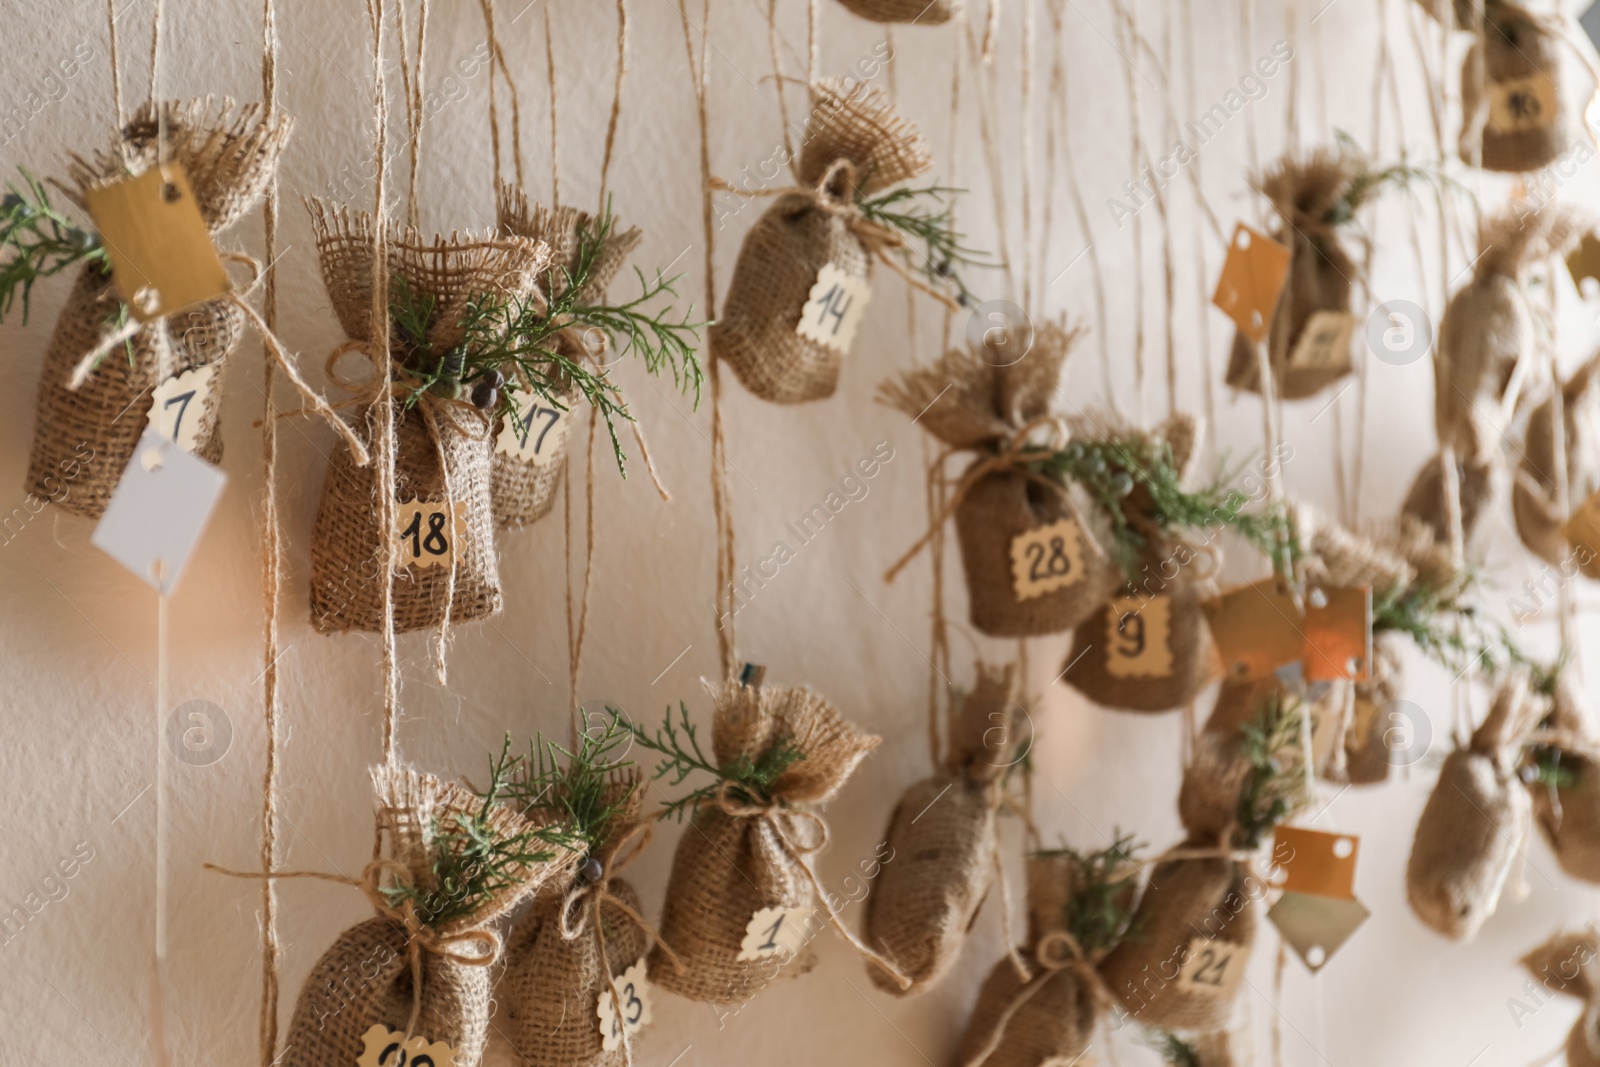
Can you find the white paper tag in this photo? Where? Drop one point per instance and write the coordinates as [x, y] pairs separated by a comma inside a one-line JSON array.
[[633, 990], [773, 931], [537, 437], [1046, 559], [427, 536], [1522, 104], [1137, 641], [1212, 968], [176, 403], [159, 510], [1324, 342], [834, 308], [385, 1048]]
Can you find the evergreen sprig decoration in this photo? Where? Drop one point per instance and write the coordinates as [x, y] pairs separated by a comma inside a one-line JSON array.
[[1100, 910], [1173, 1049], [579, 788], [752, 779], [908, 210], [1275, 786], [1136, 474], [514, 339], [37, 241], [1447, 628], [473, 861]]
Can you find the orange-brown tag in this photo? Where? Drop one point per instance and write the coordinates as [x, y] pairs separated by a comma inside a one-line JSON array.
[[1338, 629], [1257, 628], [1583, 528], [1252, 278], [1315, 862], [162, 258]]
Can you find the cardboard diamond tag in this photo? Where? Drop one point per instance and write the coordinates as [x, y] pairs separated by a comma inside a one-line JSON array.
[[162, 258], [159, 510], [1252, 277], [1316, 927]]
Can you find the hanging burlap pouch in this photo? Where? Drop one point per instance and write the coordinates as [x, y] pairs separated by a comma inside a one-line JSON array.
[[1148, 649], [914, 12], [524, 485], [1534, 496], [395, 970], [1048, 1014], [1567, 811], [1367, 756], [573, 947], [1032, 565], [1313, 317], [1528, 124], [943, 840], [855, 145], [443, 461], [1569, 963], [1474, 823], [1208, 799], [746, 854], [1479, 483], [1193, 933], [85, 436]]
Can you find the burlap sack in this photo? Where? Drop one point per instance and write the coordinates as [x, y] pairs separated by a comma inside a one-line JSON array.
[[1478, 485], [1529, 123], [1569, 815], [1567, 964], [1190, 906], [1534, 498], [1208, 799], [1488, 328], [1048, 1017], [743, 853], [1214, 1050], [1306, 194], [1473, 824], [984, 399], [855, 145], [1367, 757], [1117, 659], [943, 841], [915, 12], [555, 972], [366, 977], [84, 438], [525, 491], [443, 447]]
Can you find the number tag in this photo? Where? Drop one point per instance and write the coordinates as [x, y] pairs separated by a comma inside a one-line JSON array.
[[1324, 342], [773, 931], [1212, 968], [160, 508], [633, 989], [427, 536], [1046, 559], [1252, 277], [1137, 641], [176, 403], [385, 1048], [1522, 104], [834, 308], [538, 435]]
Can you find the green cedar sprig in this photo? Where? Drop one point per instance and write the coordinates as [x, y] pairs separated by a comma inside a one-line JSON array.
[[1173, 1049], [906, 210], [474, 861], [577, 787], [515, 337], [682, 756], [1110, 470], [1448, 629], [37, 241], [1548, 769], [1275, 786], [1099, 913]]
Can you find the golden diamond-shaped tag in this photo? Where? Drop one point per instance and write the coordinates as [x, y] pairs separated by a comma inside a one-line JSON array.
[[162, 258]]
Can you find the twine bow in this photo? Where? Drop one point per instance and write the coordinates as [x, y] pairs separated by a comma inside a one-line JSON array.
[[1013, 457], [833, 194], [774, 816], [269, 341], [420, 937], [574, 916]]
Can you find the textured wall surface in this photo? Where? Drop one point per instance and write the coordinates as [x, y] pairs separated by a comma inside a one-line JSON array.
[[78, 635]]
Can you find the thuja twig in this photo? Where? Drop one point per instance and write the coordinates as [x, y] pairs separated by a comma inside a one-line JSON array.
[[1099, 912], [37, 241], [1275, 786], [682, 756], [906, 210]]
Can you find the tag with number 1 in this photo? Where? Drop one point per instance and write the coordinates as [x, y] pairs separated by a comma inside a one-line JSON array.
[[772, 932]]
